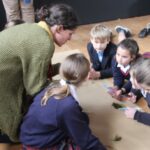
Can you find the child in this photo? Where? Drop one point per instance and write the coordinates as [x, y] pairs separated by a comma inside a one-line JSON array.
[[127, 51], [140, 78], [101, 51], [55, 118]]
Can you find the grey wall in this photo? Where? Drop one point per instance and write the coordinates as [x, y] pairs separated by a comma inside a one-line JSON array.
[[92, 11]]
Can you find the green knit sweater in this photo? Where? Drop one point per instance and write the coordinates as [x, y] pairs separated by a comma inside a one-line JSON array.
[[25, 53]]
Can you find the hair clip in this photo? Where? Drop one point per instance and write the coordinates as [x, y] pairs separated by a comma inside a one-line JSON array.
[[146, 55], [62, 82]]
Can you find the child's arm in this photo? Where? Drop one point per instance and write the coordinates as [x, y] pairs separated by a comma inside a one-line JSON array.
[[117, 76], [93, 55], [106, 73], [142, 117], [127, 87], [137, 93], [90, 51], [76, 126]]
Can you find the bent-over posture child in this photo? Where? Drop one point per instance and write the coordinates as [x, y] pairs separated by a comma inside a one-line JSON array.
[[55, 118], [140, 78], [127, 52], [101, 51]]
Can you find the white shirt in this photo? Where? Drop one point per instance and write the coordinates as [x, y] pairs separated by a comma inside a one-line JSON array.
[[124, 69], [100, 55]]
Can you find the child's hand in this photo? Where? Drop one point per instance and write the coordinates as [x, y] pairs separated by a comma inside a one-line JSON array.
[[90, 73], [130, 112], [93, 74], [118, 94], [132, 97], [115, 93]]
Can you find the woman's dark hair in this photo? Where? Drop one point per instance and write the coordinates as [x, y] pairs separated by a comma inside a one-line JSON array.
[[58, 14]]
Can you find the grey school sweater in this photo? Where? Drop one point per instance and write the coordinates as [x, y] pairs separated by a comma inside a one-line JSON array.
[[25, 53]]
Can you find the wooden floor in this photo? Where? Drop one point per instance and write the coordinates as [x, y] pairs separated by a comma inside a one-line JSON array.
[[81, 38]]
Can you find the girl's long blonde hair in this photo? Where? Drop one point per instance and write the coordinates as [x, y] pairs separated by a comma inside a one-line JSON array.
[[73, 70]]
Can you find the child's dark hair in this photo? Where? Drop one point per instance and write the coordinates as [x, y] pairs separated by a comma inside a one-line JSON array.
[[130, 45], [58, 14]]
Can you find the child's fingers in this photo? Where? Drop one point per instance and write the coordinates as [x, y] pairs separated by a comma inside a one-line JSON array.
[[132, 98], [130, 112]]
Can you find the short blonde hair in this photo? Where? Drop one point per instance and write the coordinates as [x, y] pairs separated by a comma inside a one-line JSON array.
[[100, 32]]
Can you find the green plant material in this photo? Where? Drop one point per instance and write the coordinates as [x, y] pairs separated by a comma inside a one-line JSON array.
[[117, 138], [117, 105]]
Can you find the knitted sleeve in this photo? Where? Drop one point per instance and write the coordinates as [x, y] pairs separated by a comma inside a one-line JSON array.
[[35, 75], [35, 54]]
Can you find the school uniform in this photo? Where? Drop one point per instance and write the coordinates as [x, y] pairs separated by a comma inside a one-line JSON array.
[[103, 65], [143, 117], [120, 75], [59, 120]]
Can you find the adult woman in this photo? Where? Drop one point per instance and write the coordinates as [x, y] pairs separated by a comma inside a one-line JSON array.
[[26, 52]]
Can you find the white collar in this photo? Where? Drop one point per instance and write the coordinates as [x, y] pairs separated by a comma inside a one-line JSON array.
[[73, 89], [124, 69], [100, 51]]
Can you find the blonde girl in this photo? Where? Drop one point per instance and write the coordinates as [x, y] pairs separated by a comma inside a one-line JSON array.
[[55, 119]]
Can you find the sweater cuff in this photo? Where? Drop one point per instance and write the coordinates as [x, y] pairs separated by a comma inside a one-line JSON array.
[[137, 115]]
